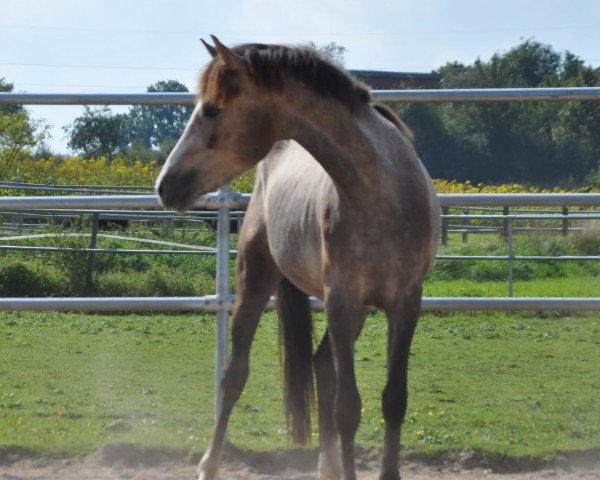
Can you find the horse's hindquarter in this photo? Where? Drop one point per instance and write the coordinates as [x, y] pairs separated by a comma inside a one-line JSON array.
[[376, 254], [382, 239], [377, 247]]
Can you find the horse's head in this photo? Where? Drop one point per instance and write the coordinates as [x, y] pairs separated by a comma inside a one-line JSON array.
[[231, 129]]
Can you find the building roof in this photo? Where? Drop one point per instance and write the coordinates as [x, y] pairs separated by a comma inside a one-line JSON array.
[[383, 80]]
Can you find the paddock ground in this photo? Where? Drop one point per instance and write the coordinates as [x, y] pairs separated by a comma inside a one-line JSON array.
[[121, 462]]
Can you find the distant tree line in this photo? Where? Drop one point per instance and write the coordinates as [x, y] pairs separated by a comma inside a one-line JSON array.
[[533, 142], [146, 132]]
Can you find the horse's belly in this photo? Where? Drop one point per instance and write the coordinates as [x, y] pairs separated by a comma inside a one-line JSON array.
[[303, 275], [297, 254], [295, 186]]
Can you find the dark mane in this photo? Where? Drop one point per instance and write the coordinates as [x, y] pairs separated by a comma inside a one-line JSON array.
[[389, 114], [268, 64]]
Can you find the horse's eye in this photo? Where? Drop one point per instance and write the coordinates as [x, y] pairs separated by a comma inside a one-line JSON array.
[[210, 110]]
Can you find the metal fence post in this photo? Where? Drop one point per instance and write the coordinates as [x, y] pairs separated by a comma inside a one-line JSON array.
[[505, 212], [565, 222], [89, 278], [511, 256], [465, 221], [445, 211], [223, 228]]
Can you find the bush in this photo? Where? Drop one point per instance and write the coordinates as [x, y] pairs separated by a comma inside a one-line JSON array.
[[494, 270], [157, 281], [79, 171], [586, 243], [21, 279]]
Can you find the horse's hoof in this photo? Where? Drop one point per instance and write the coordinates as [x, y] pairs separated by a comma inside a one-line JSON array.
[[330, 463], [208, 468], [389, 476], [205, 475], [329, 474]]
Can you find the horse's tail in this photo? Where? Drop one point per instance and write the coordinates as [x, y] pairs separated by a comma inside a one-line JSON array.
[[295, 326]]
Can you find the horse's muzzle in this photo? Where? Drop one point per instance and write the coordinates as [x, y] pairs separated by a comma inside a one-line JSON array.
[[175, 190]]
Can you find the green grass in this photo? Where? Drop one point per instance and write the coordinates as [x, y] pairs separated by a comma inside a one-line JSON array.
[[586, 286], [515, 384]]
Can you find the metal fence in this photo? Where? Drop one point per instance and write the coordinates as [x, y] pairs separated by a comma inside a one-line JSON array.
[[223, 201], [498, 220]]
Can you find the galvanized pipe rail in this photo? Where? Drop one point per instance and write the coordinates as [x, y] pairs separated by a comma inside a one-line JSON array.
[[224, 303], [487, 95], [213, 201], [91, 188], [387, 96], [144, 215]]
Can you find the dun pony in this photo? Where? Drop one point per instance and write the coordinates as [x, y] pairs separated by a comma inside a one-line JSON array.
[[342, 209]]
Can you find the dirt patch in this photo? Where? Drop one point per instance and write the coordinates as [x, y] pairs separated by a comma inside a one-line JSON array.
[[126, 462]]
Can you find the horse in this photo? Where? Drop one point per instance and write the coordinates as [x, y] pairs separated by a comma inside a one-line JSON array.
[[342, 210]]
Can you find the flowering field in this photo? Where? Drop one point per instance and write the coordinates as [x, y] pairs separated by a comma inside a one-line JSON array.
[[79, 171]]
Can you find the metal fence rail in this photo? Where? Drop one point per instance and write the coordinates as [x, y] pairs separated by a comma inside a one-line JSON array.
[[82, 189], [388, 96], [232, 200], [224, 303]]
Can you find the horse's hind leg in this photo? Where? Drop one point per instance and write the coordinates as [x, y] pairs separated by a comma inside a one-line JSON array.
[[344, 318], [402, 321], [330, 466], [257, 278]]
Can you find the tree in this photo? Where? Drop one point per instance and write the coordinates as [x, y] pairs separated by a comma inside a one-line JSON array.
[[98, 133], [18, 131], [7, 109], [154, 124], [332, 51], [536, 142]]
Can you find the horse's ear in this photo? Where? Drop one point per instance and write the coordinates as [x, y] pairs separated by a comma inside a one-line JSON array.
[[212, 50], [229, 58]]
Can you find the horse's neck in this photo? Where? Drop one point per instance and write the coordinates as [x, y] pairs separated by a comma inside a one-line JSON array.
[[343, 143]]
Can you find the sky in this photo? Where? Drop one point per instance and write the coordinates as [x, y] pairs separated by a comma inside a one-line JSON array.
[[122, 46]]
